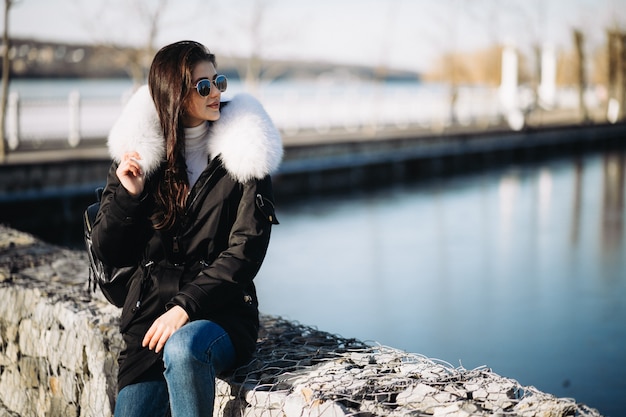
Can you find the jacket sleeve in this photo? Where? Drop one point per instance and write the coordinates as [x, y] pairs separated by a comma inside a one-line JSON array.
[[239, 263], [121, 228]]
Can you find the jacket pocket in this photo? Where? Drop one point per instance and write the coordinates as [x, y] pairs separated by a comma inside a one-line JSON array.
[[132, 302], [140, 298]]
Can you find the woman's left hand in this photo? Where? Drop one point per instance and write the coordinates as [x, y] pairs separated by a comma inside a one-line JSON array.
[[163, 327]]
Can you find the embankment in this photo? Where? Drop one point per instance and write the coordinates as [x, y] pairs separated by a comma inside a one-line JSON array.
[[59, 345]]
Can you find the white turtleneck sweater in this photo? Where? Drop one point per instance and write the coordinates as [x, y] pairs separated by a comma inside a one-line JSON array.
[[196, 151]]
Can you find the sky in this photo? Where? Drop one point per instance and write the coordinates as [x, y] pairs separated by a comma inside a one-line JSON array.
[[403, 34]]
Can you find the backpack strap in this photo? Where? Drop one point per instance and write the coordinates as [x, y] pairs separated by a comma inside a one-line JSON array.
[[89, 217]]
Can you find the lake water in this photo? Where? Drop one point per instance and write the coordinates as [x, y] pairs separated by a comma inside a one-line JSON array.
[[522, 270]]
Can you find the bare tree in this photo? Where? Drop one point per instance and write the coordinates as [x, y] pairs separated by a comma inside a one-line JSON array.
[[6, 68], [446, 37], [148, 16], [255, 67], [140, 60]]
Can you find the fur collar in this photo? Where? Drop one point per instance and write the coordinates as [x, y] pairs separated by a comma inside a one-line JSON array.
[[244, 137]]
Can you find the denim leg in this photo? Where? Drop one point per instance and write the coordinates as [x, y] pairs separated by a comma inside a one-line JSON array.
[[144, 399], [193, 356]]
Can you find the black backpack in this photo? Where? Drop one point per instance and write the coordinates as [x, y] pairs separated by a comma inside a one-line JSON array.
[[111, 280]]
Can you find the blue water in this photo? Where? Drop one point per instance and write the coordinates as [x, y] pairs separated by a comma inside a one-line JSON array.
[[522, 270]]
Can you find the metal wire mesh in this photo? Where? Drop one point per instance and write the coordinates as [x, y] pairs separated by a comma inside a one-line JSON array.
[[301, 371], [58, 350]]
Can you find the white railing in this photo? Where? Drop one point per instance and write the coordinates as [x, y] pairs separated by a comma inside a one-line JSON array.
[[31, 122], [74, 121]]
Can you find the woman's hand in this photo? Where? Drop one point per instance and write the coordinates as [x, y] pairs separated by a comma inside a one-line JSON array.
[[129, 173], [163, 327]]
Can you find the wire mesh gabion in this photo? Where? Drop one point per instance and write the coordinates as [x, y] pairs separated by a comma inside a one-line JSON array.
[[301, 371], [59, 344]]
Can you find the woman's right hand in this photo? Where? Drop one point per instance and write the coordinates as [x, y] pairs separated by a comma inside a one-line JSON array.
[[129, 173]]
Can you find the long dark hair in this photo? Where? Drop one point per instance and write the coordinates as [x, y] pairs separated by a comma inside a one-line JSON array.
[[170, 81]]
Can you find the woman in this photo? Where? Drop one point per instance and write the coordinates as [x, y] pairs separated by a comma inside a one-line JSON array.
[[189, 201]]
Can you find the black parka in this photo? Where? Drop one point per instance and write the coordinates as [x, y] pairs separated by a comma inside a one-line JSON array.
[[206, 262]]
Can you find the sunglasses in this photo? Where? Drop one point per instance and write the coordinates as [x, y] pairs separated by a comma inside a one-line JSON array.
[[204, 86]]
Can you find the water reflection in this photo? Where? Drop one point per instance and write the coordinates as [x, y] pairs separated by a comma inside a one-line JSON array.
[[612, 218], [577, 201], [522, 270]]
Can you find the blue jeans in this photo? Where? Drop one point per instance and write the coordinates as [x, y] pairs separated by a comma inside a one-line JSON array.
[[193, 356]]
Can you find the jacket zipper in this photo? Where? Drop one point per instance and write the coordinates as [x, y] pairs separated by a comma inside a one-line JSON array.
[[195, 193], [142, 289], [197, 190]]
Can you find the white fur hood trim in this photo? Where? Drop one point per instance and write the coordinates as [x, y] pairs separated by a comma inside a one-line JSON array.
[[247, 140], [138, 129], [244, 137]]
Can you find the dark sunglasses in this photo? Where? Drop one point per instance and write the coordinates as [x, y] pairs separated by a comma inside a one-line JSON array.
[[204, 86]]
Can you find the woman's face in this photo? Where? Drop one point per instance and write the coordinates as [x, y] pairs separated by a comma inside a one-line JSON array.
[[199, 109]]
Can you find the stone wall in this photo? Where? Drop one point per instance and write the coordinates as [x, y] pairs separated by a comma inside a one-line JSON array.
[[59, 344]]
